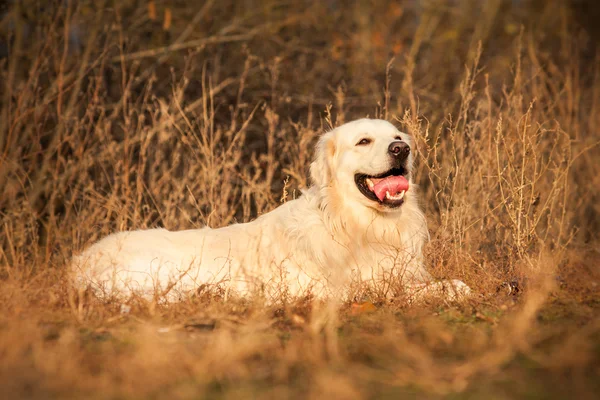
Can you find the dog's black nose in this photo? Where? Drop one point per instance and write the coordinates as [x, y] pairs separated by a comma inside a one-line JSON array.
[[399, 149]]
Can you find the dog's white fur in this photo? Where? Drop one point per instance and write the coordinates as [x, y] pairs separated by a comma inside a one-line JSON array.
[[319, 243]]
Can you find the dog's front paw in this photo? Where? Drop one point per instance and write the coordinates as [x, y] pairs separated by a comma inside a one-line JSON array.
[[450, 290], [456, 290]]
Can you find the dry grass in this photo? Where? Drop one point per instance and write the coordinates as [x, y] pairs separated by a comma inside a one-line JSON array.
[[129, 114]]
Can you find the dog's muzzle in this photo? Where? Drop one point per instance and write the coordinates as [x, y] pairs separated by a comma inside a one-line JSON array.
[[399, 151]]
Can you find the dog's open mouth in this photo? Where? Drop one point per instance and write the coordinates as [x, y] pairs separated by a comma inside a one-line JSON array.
[[388, 188]]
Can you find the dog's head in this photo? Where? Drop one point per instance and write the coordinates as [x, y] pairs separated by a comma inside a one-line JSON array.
[[369, 161]]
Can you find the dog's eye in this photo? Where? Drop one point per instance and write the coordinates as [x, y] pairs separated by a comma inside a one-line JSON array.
[[397, 138], [364, 142]]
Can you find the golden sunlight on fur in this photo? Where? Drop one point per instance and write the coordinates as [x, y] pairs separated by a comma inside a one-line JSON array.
[[360, 222]]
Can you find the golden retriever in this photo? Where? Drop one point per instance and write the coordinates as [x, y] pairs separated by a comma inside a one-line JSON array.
[[359, 222]]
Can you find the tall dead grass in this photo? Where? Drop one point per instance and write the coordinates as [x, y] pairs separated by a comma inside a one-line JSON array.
[[114, 119]]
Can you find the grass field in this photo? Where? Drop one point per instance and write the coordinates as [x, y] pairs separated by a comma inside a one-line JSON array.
[[130, 114]]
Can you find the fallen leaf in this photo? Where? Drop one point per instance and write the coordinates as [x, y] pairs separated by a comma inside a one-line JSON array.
[[298, 320], [484, 317], [362, 308]]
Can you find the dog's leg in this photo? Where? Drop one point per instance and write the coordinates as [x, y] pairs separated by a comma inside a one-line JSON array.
[[451, 290]]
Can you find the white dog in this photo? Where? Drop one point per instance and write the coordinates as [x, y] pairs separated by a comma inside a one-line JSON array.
[[359, 223]]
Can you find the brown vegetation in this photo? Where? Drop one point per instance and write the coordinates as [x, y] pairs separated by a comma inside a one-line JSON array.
[[130, 114]]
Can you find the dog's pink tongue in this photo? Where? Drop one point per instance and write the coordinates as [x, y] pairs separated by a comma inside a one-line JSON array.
[[392, 184]]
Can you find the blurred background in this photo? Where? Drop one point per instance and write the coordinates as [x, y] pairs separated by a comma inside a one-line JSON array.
[[206, 110], [105, 97]]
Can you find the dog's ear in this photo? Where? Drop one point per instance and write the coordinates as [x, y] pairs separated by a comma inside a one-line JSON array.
[[321, 168]]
